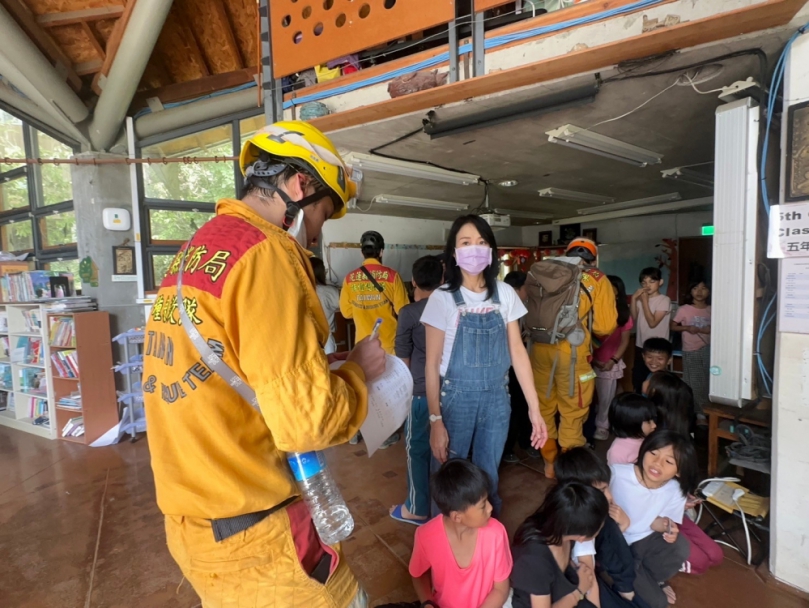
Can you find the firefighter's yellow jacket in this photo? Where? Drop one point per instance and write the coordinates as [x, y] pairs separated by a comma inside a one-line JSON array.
[[249, 290], [361, 301]]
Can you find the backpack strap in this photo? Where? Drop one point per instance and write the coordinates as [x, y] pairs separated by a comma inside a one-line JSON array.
[[378, 287]]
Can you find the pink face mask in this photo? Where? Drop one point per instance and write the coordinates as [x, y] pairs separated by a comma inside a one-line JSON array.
[[474, 259]]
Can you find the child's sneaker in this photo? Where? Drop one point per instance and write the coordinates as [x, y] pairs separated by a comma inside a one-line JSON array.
[[355, 439], [392, 440], [510, 458], [602, 434]]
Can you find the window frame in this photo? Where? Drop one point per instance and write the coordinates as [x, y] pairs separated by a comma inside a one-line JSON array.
[[150, 248], [37, 210]]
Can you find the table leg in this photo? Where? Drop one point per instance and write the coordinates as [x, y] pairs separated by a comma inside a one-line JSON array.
[[713, 444]]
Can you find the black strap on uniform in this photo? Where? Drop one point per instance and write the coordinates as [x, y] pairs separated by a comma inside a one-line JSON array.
[[379, 287]]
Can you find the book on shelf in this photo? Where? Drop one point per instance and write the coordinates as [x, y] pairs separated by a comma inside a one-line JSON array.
[[66, 363], [77, 304], [33, 285], [4, 347], [3, 321], [63, 332], [35, 407], [74, 427], [33, 321], [11, 403], [27, 350], [72, 401], [32, 381], [4, 401], [5, 376]]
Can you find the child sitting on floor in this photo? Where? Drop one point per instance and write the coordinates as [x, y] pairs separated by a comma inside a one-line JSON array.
[[461, 558], [632, 418], [653, 494], [674, 401], [544, 573], [657, 353], [608, 552]]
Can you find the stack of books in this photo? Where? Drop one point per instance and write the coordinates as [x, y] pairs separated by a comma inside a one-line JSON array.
[[28, 350], [78, 304], [63, 332], [36, 407], [33, 323], [66, 363], [72, 402], [74, 427], [35, 285]]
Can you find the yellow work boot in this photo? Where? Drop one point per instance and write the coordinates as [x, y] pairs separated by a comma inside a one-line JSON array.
[[549, 452]]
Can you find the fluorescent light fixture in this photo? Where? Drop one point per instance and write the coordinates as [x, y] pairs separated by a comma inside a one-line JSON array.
[[424, 203], [572, 195], [650, 209], [368, 162], [529, 215], [689, 176], [507, 183], [640, 202], [587, 141]]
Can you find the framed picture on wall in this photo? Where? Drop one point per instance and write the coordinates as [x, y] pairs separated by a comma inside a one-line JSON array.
[[797, 169], [123, 259], [568, 233], [590, 233], [546, 238]]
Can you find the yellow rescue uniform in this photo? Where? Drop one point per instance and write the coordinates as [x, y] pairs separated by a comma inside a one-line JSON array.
[[572, 410], [362, 301], [249, 289]]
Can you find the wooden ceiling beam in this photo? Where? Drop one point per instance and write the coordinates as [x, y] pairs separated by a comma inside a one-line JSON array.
[[82, 16], [112, 44], [181, 91], [27, 21], [99, 49], [191, 40], [229, 36], [88, 67]]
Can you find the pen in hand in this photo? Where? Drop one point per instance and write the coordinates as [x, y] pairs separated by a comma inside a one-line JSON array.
[[375, 330]]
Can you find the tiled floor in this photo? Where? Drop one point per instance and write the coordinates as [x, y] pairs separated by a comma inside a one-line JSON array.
[[79, 527]]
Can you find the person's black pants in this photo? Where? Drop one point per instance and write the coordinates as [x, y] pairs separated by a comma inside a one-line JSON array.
[[519, 427], [639, 371]]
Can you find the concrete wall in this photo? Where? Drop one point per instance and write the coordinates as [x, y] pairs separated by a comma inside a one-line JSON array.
[[789, 540], [94, 189]]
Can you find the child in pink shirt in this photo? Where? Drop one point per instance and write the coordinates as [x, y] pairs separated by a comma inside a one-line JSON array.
[[693, 319], [461, 559], [632, 418]]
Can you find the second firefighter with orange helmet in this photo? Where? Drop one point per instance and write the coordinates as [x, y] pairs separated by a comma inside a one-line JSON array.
[[551, 362]]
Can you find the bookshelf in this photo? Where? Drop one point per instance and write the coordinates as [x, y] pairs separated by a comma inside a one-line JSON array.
[[31, 383]]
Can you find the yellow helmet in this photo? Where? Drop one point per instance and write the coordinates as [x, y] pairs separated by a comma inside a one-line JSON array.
[[299, 144]]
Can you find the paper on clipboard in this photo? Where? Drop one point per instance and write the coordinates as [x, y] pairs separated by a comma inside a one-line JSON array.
[[389, 398]]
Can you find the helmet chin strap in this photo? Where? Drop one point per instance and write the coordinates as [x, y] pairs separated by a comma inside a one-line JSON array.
[[293, 207]]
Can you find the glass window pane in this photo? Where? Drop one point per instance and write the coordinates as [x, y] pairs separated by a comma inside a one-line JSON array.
[[248, 126], [176, 226], [58, 229], [17, 236], [14, 194], [57, 186], [203, 182], [71, 266], [160, 265], [11, 140]]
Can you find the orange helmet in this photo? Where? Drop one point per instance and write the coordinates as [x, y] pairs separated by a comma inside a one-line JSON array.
[[584, 248]]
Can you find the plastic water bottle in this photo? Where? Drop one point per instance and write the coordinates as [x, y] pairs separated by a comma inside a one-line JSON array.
[[329, 512]]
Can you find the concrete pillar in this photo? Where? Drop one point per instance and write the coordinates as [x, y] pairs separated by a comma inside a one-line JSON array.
[[97, 187], [789, 539]]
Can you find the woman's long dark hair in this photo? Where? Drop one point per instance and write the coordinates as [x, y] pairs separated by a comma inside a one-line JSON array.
[[569, 509], [620, 300], [319, 268], [452, 272], [674, 400]]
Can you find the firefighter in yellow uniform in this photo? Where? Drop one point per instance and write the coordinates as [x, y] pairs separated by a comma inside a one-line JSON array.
[[362, 300], [547, 359], [234, 522]]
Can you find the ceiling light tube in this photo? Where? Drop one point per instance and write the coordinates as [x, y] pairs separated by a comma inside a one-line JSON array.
[[689, 176], [368, 162], [594, 143], [572, 195], [640, 202], [424, 203], [529, 215], [651, 209]]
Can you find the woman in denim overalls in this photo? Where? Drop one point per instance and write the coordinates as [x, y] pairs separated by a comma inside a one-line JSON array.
[[467, 385]]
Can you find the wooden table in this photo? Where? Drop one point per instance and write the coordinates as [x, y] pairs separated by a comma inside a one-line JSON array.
[[717, 412]]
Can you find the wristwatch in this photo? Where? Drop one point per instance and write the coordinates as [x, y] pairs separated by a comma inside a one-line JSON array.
[[434, 418], [582, 594]]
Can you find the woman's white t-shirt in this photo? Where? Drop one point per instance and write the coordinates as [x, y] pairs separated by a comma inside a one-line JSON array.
[[330, 301], [442, 313], [643, 505]]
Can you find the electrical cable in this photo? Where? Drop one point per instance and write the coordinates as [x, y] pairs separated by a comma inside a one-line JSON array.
[[653, 97], [746, 530], [694, 86]]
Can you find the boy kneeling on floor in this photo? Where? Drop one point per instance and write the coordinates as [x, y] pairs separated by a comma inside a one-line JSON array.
[[461, 559]]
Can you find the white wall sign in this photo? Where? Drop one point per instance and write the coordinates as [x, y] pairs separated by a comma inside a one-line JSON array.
[[789, 231], [793, 297]]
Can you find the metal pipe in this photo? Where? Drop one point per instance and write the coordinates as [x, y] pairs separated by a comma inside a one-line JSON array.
[[35, 114], [130, 61], [37, 72], [186, 160]]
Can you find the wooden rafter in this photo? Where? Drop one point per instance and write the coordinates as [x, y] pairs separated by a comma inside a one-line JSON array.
[[88, 67], [195, 88], [113, 43], [82, 16], [227, 30], [27, 21], [88, 31], [190, 39]]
